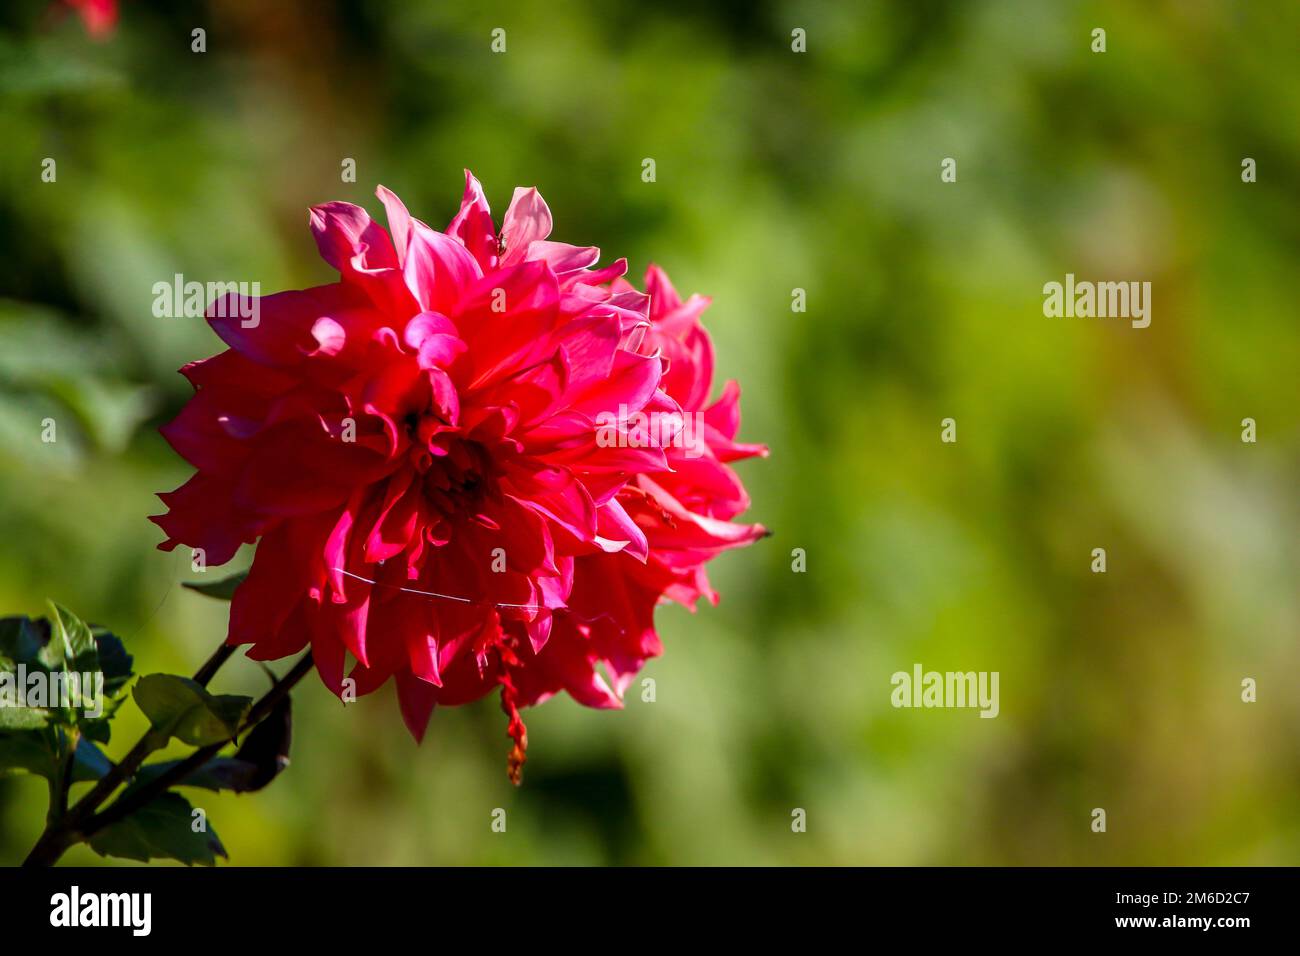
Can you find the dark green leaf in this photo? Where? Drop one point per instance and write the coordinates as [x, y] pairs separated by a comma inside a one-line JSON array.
[[114, 661], [13, 717], [67, 655], [223, 590], [27, 750], [115, 664], [35, 752], [98, 729], [267, 745], [90, 763], [163, 829], [21, 638], [58, 649], [21, 642], [180, 708], [78, 649]]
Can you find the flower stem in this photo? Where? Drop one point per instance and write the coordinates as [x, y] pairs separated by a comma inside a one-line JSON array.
[[59, 799], [213, 664]]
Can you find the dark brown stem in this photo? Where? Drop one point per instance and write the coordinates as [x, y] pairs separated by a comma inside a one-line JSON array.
[[59, 803], [213, 664], [49, 847], [64, 831]]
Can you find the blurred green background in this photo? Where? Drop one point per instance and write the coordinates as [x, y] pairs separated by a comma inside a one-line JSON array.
[[775, 170]]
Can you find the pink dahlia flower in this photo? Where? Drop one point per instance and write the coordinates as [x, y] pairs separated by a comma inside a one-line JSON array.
[[441, 456]]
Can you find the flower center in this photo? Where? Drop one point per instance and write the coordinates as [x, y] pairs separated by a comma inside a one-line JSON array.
[[455, 471]]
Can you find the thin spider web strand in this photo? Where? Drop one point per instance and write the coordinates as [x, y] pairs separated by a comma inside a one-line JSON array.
[[446, 597]]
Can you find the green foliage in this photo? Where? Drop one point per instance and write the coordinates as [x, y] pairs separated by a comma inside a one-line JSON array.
[[85, 667], [39, 753], [222, 590], [178, 707], [263, 755], [57, 742], [166, 828]]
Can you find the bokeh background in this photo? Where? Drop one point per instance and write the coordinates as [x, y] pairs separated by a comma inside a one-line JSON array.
[[775, 171]]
